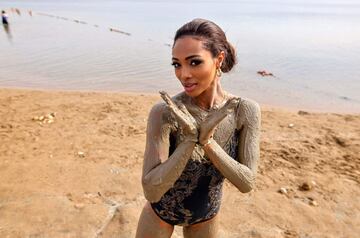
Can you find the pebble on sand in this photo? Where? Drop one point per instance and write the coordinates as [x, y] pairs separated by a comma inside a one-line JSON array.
[[79, 205], [49, 118], [307, 185], [283, 190], [340, 141], [303, 112]]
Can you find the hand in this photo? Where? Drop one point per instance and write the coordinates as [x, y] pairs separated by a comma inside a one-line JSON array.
[[208, 126], [185, 120]]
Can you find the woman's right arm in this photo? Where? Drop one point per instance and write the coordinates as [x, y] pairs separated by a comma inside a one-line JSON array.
[[159, 170]]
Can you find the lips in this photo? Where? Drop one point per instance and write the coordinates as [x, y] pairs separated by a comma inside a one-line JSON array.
[[189, 87]]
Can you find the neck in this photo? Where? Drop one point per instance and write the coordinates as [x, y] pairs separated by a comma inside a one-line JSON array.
[[212, 96]]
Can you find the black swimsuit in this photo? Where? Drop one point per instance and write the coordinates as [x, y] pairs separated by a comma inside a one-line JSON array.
[[196, 195]]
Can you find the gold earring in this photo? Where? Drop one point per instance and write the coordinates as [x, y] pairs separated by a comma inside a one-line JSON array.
[[218, 72]]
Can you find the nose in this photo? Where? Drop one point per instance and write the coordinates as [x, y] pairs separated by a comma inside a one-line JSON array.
[[185, 73]]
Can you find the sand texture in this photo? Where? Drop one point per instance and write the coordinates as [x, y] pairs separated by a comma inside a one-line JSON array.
[[64, 174]]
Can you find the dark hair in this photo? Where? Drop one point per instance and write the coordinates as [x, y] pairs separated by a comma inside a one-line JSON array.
[[213, 37]]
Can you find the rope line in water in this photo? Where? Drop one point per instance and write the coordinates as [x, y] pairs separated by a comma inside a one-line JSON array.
[[112, 29]]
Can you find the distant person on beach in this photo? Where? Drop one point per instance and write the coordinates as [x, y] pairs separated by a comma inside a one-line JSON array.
[[197, 138], [4, 18]]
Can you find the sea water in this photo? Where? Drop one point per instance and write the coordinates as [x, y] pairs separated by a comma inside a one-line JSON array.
[[312, 47]]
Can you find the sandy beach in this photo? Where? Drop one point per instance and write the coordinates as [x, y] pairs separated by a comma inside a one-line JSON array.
[[70, 159]]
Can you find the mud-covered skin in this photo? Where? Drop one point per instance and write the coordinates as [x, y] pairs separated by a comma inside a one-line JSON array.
[[241, 173], [161, 171], [151, 226]]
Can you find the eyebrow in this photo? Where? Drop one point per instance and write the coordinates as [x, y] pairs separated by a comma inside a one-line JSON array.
[[187, 58]]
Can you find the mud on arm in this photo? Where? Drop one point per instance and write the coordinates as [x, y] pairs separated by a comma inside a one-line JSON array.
[[159, 170], [241, 173]]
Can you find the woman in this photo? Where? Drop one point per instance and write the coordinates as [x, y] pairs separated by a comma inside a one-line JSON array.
[[197, 138]]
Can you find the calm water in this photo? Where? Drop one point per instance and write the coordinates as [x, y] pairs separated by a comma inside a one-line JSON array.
[[313, 47]]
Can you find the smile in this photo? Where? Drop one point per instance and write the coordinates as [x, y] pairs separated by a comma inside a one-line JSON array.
[[189, 86]]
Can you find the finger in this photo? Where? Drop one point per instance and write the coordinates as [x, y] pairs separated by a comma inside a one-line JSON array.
[[183, 118], [165, 96], [173, 107], [230, 105], [214, 118], [183, 108]]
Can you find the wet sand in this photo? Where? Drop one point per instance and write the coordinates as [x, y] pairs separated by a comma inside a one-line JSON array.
[[62, 174]]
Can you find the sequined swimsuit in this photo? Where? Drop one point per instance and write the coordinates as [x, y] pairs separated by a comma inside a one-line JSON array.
[[196, 195]]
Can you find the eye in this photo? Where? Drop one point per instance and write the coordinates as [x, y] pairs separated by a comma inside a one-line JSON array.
[[195, 62], [175, 64]]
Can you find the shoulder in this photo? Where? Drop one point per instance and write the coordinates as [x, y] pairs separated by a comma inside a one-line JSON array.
[[158, 108], [249, 106], [160, 117], [161, 114], [246, 105], [248, 112]]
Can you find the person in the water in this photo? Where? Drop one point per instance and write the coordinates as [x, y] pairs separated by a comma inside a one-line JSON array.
[[4, 18], [197, 139]]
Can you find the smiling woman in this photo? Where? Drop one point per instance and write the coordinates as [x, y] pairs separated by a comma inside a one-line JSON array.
[[197, 139], [191, 67]]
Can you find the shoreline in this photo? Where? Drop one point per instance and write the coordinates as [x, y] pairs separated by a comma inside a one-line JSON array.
[[267, 107]]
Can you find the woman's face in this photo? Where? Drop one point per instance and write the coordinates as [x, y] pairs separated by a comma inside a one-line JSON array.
[[194, 66]]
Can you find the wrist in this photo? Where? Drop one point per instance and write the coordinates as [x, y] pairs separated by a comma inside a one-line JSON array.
[[190, 141], [205, 143]]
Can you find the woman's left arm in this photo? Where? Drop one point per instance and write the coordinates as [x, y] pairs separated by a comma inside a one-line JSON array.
[[241, 173]]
